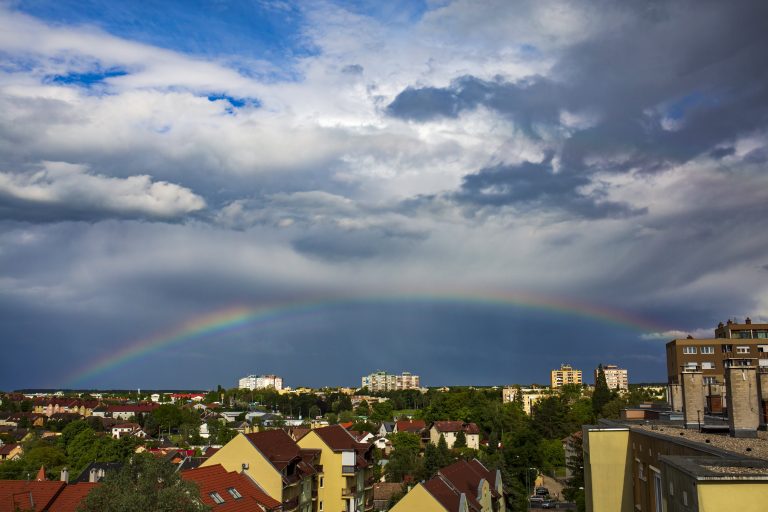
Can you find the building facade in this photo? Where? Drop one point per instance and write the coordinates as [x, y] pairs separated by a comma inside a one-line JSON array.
[[615, 377], [383, 381], [565, 375], [529, 396], [346, 482], [261, 382]]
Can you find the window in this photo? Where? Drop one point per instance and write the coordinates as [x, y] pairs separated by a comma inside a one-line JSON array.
[[320, 507], [761, 334], [742, 349], [216, 497], [640, 470], [685, 498], [322, 480], [727, 348], [762, 348], [710, 380], [745, 334], [708, 350], [689, 350], [707, 366], [671, 489], [234, 493]]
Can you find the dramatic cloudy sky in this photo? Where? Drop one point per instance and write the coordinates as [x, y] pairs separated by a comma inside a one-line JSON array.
[[161, 161]]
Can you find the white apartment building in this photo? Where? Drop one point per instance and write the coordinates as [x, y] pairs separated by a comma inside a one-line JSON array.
[[529, 396], [383, 381], [261, 382], [615, 377]]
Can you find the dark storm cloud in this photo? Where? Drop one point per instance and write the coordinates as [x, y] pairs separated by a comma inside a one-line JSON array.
[[675, 80], [531, 186]]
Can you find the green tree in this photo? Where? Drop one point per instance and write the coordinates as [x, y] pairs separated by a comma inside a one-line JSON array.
[[404, 459], [601, 395], [444, 456], [363, 409], [461, 440], [145, 483], [382, 411]]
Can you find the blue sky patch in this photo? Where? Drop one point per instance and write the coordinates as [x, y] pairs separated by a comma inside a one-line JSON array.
[[86, 79], [235, 102]]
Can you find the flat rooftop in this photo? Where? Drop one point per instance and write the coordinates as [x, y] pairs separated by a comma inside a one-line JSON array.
[[740, 447]]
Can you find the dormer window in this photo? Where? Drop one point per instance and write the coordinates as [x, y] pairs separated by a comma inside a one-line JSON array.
[[233, 492], [216, 497]]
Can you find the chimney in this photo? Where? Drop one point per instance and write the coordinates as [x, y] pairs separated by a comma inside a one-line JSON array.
[[64, 475], [742, 391], [92, 475], [762, 383], [748, 321], [693, 396], [676, 397]]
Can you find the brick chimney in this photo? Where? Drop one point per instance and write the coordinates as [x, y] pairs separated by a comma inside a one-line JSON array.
[[743, 397], [762, 384], [693, 396], [676, 397]]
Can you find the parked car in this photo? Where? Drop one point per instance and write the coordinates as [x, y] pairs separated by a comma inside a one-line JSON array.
[[542, 491]]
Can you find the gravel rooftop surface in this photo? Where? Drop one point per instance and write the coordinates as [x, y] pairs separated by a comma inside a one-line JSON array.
[[757, 448]]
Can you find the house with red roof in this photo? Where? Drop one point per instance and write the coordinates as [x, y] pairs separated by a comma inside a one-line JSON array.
[[450, 429], [12, 451], [230, 491], [465, 486], [271, 458], [71, 496]]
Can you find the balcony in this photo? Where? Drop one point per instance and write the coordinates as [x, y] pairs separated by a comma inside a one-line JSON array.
[[349, 492], [291, 504]]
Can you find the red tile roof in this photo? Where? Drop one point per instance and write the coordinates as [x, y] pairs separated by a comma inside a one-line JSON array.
[[465, 477], [443, 493], [216, 479], [6, 449], [71, 497], [28, 496], [276, 445], [413, 426], [455, 426]]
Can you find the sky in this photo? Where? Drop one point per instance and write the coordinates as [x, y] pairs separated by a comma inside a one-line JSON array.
[[475, 192]]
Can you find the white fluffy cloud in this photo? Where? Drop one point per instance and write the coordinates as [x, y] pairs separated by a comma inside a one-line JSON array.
[[69, 191]]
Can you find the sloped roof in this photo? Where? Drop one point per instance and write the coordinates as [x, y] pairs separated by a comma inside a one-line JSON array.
[[443, 493], [414, 426], [216, 479], [383, 491], [6, 449], [455, 426], [465, 478], [71, 497], [338, 438], [27, 496], [277, 446]]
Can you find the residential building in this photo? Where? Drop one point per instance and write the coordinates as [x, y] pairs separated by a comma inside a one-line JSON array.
[[529, 396], [274, 461], [731, 341], [229, 491], [655, 468], [382, 381], [346, 483], [747, 330], [615, 377], [412, 426], [465, 486], [450, 429], [128, 411], [565, 375], [261, 382], [128, 429], [11, 451]]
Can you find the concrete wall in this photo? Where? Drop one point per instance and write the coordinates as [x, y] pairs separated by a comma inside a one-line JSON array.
[[607, 470], [693, 397], [743, 402]]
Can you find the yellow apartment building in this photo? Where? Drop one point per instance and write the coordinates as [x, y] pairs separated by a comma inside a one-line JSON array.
[[346, 481], [565, 375], [285, 471]]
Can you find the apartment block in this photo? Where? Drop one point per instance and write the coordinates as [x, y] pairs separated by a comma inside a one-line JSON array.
[[383, 381], [565, 375], [615, 377], [529, 396], [346, 481], [261, 382]]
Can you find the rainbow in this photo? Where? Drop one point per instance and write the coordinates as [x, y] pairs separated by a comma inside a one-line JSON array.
[[235, 318]]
